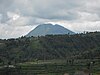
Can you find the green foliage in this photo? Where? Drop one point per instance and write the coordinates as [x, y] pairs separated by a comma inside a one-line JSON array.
[[78, 46]]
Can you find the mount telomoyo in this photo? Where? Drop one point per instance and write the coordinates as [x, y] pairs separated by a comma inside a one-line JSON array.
[[49, 29]]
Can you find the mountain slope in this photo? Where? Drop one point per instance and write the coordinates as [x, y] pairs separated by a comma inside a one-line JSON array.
[[45, 29], [78, 46]]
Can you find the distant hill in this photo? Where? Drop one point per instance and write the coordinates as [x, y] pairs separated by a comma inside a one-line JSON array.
[[46, 29]]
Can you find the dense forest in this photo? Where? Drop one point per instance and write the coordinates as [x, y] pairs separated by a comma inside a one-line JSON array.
[[77, 46]]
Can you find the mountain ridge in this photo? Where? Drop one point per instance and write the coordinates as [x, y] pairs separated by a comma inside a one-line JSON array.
[[49, 29]]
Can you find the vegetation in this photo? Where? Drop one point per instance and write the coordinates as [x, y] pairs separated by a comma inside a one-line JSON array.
[[78, 46], [71, 52]]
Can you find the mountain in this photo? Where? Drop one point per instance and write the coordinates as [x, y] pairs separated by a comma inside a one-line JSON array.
[[49, 29]]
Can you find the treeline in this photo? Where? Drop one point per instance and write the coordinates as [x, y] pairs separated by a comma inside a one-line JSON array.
[[78, 46]]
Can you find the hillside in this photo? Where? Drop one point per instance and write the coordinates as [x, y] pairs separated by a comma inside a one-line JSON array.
[[49, 29], [78, 46]]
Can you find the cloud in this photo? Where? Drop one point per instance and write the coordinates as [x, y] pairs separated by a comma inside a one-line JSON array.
[[7, 31], [21, 15], [80, 26], [51, 9], [85, 16], [46, 9]]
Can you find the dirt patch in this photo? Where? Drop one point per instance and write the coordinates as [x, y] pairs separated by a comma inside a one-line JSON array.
[[66, 74], [81, 73]]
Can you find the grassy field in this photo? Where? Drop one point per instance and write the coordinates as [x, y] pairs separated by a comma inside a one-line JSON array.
[[59, 67], [52, 67]]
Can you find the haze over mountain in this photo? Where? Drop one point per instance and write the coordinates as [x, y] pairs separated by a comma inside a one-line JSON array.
[[49, 29]]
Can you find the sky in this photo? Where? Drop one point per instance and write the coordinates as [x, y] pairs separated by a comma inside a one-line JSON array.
[[18, 17]]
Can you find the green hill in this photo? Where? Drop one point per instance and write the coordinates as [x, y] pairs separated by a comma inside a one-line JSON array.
[[24, 49]]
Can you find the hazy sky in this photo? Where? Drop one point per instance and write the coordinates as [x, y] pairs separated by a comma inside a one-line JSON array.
[[18, 17]]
